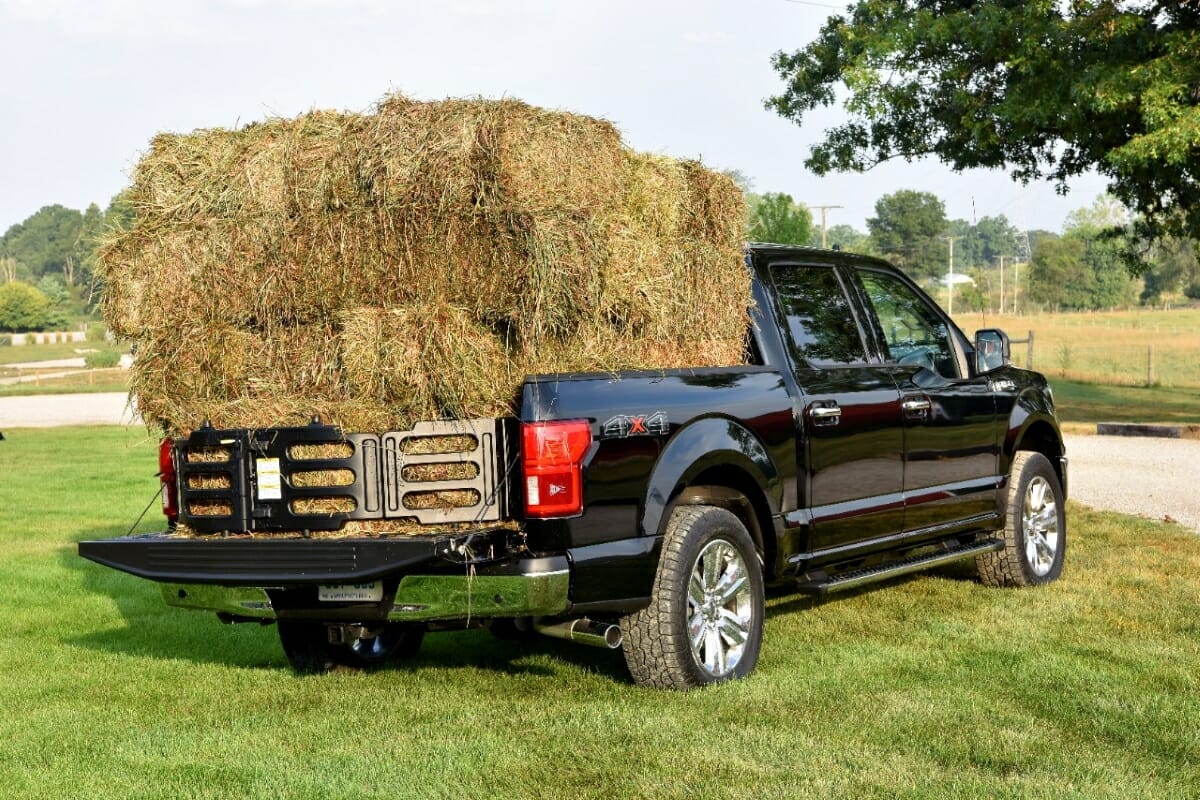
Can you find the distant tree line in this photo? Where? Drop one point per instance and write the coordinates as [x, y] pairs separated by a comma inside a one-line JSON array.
[[1085, 267], [47, 265]]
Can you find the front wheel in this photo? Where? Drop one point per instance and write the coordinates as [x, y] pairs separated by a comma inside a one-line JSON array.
[[704, 623], [1035, 529]]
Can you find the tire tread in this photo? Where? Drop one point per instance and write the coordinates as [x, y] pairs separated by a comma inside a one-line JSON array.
[[1007, 567], [655, 642]]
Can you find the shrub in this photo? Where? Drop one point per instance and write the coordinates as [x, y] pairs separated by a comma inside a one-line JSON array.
[[102, 359], [22, 307], [97, 331]]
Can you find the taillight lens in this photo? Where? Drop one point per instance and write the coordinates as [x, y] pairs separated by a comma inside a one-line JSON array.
[[552, 456], [166, 473]]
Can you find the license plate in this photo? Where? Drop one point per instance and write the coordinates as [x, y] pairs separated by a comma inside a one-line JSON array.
[[351, 592]]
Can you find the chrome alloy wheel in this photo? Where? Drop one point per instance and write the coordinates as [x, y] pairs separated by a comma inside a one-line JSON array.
[[720, 608], [1039, 524]]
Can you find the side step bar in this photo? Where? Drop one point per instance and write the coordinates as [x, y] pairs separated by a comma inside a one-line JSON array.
[[849, 580]]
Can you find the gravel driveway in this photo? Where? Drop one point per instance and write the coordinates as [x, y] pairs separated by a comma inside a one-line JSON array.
[[49, 410], [1153, 478], [1148, 477]]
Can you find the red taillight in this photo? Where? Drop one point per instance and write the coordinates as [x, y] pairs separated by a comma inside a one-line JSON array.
[[166, 473], [552, 462]]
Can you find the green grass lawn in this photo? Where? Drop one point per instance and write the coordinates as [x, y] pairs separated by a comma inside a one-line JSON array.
[[46, 352], [927, 687], [82, 382], [1089, 402]]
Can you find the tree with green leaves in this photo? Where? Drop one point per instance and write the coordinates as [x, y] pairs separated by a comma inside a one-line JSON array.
[[905, 230], [82, 261], [58, 303], [1083, 269], [842, 237], [45, 242], [22, 307], [777, 218], [994, 237], [1174, 269], [1043, 88], [1058, 277]]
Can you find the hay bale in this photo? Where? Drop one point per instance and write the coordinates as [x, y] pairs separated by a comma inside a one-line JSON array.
[[266, 222], [434, 362], [490, 199], [414, 262], [270, 170]]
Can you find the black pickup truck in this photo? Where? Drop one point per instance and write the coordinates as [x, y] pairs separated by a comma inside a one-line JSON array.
[[867, 437]]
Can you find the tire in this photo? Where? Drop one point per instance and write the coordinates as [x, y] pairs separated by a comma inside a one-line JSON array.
[[704, 623], [1035, 528], [309, 651]]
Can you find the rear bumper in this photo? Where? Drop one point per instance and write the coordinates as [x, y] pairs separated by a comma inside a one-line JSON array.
[[535, 587]]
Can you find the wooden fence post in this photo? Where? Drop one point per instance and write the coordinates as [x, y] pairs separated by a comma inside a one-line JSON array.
[[1029, 351], [1149, 366]]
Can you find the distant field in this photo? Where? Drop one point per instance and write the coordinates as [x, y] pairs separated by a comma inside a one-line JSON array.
[[1107, 350], [10, 354], [80, 381], [1106, 347]]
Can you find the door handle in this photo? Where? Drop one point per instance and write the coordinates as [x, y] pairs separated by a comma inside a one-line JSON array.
[[825, 415], [916, 407]]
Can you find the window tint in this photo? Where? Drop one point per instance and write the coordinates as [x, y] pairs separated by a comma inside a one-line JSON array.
[[820, 323], [913, 332]]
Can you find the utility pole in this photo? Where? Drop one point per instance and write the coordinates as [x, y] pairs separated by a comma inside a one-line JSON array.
[[1016, 284], [824, 209], [1002, 281], [950, 279]]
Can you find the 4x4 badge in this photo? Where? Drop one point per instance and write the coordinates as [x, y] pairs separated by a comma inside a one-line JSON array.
[[624, 425]]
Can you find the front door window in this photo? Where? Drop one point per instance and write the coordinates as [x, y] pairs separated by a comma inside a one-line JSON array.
[[913, 332]]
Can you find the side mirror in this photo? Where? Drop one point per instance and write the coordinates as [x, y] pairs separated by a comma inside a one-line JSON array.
[[991, 350]]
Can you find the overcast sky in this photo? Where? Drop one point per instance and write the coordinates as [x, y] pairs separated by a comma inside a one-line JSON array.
[[85, 84]]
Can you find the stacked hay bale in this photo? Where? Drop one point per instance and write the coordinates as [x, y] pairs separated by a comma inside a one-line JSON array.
[[414, 263]]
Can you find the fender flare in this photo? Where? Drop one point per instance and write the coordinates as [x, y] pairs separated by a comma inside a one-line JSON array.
[[1033, 426], [702, 445]]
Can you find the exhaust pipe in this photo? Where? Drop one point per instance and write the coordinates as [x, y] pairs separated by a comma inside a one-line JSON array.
[[584, 631]]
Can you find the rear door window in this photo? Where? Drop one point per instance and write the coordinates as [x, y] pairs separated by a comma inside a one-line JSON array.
[[821, 326]]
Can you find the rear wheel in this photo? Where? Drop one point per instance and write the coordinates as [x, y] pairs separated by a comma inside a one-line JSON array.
[[1035, 530], [308, 647], [704, 623]]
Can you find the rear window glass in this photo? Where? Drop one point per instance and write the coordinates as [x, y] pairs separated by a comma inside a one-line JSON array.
[[820, 322]]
